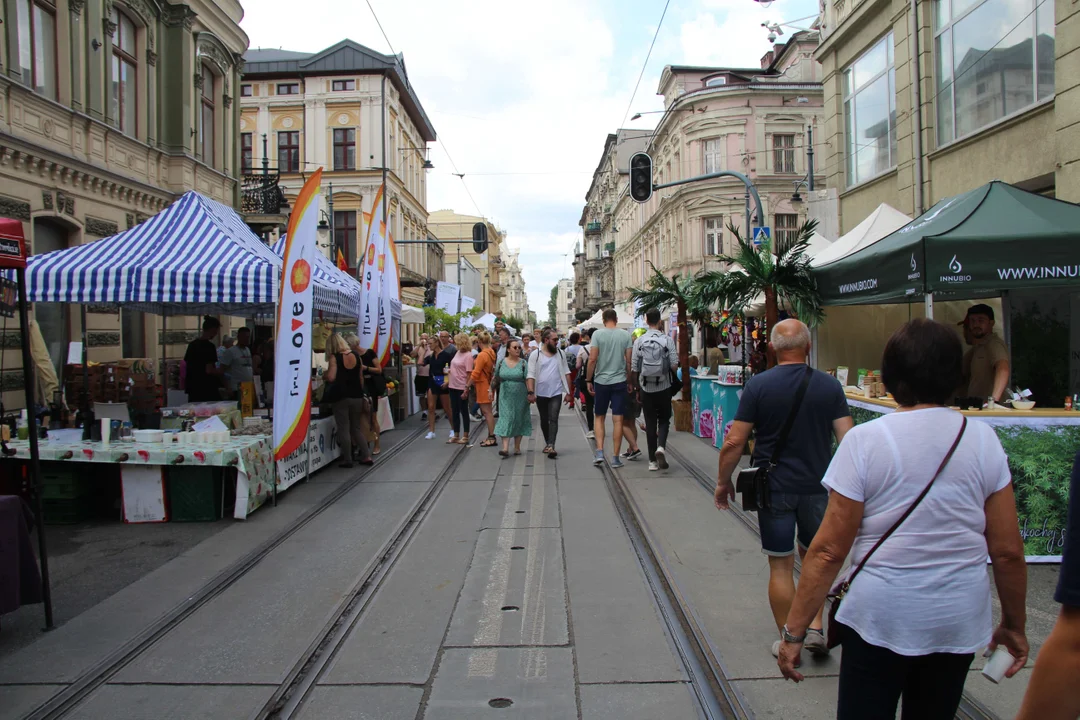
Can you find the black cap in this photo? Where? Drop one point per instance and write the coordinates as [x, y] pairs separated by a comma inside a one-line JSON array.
[[981, 309]]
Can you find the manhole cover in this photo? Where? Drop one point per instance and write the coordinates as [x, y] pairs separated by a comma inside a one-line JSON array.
[[500, 702], [519, 512], [517, 547], [510, 608]]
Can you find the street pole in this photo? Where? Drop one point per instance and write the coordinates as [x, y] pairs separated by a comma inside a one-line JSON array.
[[748, 213], [386, 190], [333, 235], [810, 158], [266, 158]]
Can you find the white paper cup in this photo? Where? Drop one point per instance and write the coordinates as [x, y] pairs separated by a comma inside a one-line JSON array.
[[999, 662], [223, 436]]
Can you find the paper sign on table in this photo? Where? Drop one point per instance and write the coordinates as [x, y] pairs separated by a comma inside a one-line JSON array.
[[210, 424], [74, 353]]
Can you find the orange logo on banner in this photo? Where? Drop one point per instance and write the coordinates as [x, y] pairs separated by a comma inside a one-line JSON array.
[[301, 276], [371, 254], [297, 324]]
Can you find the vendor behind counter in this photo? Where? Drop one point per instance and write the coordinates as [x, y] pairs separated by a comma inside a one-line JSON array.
[[986, 364]]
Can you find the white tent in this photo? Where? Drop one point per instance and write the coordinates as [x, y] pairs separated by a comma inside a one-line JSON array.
[[883, 221], [410, 314], [487, 320], [625, 321], [818, 243]]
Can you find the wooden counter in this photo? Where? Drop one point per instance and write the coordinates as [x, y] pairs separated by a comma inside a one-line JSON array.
[[1071, 416]]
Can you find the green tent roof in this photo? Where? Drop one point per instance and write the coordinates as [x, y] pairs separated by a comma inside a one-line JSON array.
[[996, 237]]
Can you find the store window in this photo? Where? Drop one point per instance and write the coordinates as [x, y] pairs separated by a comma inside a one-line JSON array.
[[288, 155], [206, 126], [712, 155], [288, 89], [785, 231], [345, 234], [37, 45], [342, 85], [345, 149], [870, 113], [994, 58], [714, 235], [783, 153], [247, 152]]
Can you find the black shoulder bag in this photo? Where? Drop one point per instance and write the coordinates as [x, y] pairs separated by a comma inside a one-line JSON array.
[[753, 482]]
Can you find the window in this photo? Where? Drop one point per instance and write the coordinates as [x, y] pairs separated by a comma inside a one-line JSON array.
[[714, 235], [716, 81], [125, 99], [870, 113], [345, 149], [288, 89], [783, 153], [288, 151], [37, 45], [712, 155], [345, 234], [206, 127], [246, 152], [982, 76], [785, 231], [246, 91], [340, 85]]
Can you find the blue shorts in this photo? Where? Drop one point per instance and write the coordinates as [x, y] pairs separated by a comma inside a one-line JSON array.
[[790, 513], [613, 395]]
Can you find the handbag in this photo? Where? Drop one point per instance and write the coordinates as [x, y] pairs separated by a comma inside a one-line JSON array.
[[495, 380], [753, 482], [842, 587]]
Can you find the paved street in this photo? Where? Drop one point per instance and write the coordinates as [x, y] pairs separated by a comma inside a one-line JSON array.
[[483, 588]]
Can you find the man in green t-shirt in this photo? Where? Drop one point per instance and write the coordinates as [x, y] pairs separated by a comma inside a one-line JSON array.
[[609, 364]]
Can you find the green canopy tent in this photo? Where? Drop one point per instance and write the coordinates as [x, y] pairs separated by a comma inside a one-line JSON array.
[[979, 243]]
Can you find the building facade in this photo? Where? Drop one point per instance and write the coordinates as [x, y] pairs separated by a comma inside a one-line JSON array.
[[564, 305], [515, 301], [997, 98], [109, 111], [455, 231], [749, 120], [351, 111]]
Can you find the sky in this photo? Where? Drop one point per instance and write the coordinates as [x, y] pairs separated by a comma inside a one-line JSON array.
[[523, 95]]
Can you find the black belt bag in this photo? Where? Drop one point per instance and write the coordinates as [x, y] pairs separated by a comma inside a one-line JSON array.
[[753, 482]]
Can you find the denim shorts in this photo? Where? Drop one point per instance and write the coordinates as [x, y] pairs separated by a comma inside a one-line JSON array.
[[790, 514], [613, 395]]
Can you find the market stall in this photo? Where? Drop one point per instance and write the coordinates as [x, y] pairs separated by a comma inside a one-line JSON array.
[[195, 257], [714, 401], [977, 247]]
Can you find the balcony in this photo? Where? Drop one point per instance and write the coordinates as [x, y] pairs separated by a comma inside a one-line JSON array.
[[592, 228], [609, 249], [262, 203]]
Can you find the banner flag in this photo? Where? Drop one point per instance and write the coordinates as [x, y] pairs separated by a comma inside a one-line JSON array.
[[292, 363], [341, 264], [391, 296], [372, 276]]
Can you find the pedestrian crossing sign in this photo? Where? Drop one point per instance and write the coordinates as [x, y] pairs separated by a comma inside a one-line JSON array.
[[761, 234]]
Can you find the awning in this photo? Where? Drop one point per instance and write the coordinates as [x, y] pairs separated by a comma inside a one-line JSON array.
[[994, 238], [625, 321], [884, 220], [336, 292], [196, 256], [410, 314]]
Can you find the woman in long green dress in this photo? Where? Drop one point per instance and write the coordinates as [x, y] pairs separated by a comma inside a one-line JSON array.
[[514, 417]]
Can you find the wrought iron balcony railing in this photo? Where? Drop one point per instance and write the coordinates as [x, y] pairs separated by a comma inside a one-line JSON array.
[[261, 195]]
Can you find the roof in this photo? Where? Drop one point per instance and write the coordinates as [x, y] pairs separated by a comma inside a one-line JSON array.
[[343, 57]]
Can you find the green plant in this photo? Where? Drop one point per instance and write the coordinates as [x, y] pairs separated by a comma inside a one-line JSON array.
[[553, 305], [682, 292], [436, 320], [514, 321], [784, 279]]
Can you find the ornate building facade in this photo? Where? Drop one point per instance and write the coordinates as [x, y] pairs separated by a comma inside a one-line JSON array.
[[515, 301]]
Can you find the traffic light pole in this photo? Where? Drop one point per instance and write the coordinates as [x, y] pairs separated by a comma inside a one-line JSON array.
[[725, 173]]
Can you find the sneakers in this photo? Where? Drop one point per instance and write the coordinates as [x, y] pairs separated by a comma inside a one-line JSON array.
[[590, 435], [430, 436], [815, 643], [631, 454], [616, 463], [653, 467], [599, 458], [661, 458]]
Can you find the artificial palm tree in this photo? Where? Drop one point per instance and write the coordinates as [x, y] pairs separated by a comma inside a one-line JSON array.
[[680, 291], [784, 278]]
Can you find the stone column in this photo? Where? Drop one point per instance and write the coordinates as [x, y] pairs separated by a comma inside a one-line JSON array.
[[78, 53], [11, 27]]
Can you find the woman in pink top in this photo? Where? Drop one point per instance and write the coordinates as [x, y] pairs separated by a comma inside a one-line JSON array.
[[461, 368]]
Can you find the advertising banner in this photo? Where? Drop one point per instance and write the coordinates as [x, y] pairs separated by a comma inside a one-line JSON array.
[[371, 276], [446, 297], [322, 448], [292, 366], [467, 303], [390, 296]]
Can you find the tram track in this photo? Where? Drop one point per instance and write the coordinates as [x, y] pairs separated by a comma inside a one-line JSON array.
[[969, 709], [715, 695], [89, 681]]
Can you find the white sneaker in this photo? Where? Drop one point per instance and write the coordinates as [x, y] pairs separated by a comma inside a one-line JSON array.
[[430, 436], [661, 458], [590, 435], [653, 466], [451, 434]]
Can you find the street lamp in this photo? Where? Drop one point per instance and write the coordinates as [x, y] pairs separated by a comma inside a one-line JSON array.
[[427, 163], [808, 181]]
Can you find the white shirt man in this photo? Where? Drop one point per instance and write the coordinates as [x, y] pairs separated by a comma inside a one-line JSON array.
[[548, 379]]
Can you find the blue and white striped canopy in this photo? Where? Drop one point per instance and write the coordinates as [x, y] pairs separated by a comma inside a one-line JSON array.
[[336, 293], [196, 256]]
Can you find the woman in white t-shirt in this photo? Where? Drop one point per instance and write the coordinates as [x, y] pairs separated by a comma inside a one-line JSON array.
[[913, 619]]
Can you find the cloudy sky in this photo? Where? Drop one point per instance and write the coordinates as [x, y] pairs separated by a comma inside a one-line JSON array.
[[522, 95]]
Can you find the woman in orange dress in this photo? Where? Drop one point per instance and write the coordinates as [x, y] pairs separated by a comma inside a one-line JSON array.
[[480, 379]]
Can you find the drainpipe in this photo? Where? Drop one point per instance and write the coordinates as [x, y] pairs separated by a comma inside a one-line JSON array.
[[916, 98]]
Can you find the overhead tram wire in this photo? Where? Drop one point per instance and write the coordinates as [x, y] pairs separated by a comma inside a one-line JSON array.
[[377, 22], [645, 64]]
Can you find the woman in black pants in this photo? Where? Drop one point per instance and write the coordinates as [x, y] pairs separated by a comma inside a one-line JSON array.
[[586, 396], [351, 412]]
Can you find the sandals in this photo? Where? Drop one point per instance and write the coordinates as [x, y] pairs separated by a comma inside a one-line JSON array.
[[547, 449], [504, 454], [490, 442], [553, 453]]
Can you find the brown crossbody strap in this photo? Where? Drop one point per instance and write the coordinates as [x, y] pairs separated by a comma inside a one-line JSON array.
[[911, 508]]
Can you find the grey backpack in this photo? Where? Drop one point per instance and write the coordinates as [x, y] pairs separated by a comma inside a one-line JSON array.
[[655, 361]]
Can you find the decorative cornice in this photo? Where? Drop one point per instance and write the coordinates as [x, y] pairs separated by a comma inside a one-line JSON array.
[[76, 6], [15, 209], [178, 16], [47, 199], [151, 57], [108, 26], [226, 101], [147, 16], [102, 308], [101, 338], [100, 228], [198, 81], [177, 337]]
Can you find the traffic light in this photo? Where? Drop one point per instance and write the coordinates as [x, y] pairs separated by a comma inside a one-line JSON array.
[[641, 177], [479, 238]]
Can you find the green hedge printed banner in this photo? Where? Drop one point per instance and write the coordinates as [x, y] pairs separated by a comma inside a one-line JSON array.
[[1041, 452]]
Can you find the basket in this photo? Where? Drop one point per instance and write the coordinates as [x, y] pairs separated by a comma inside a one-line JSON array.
[[64, 484], [194, 493], [684, 419]]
